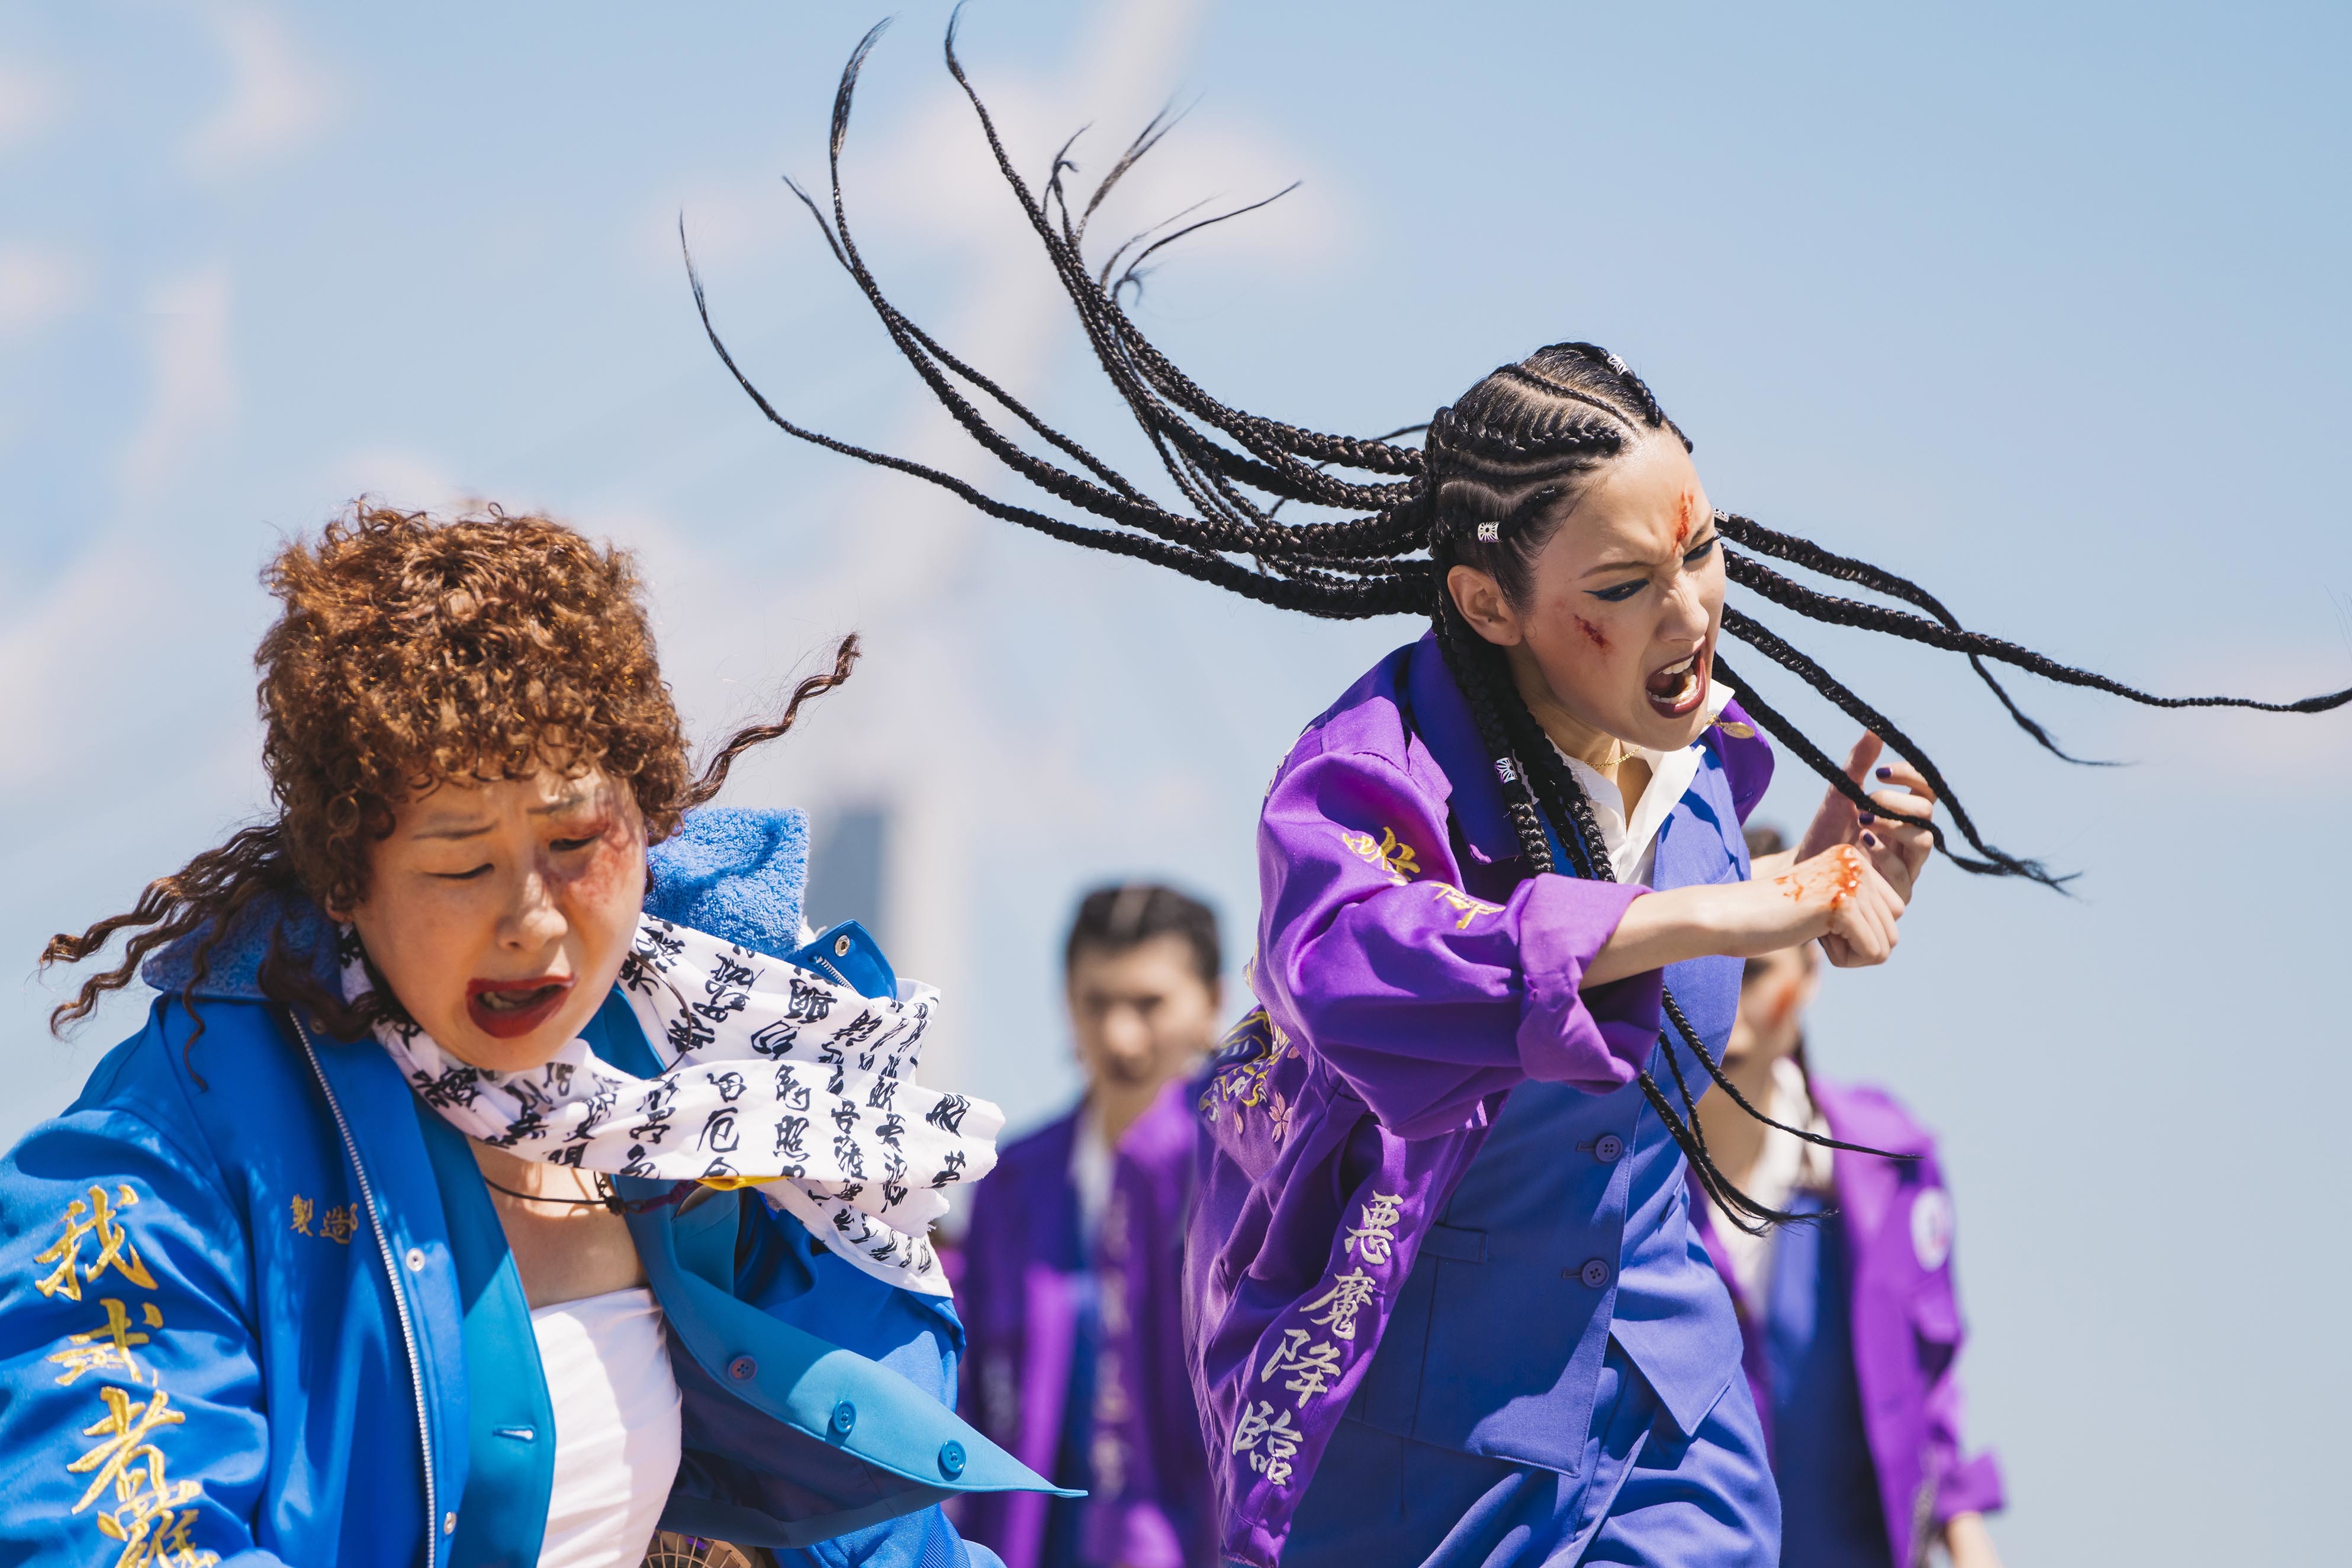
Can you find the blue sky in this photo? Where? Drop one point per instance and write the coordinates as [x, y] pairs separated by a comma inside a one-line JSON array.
[[2043, 309]]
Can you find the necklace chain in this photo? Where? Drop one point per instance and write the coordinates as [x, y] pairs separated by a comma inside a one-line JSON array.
[[605, 1198]]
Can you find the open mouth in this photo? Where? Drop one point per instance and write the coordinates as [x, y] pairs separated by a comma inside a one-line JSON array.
[[507, 1009], [1679, 688]]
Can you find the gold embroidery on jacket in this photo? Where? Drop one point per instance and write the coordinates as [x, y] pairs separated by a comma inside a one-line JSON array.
[[114, 1249], [1389, 853], [1350, 1293], [1278, 1437], [125, 1456], [1241, 1081], [160, 1541], [1469, 908], [1311, 1368], [147, 1516], [1375, 1231], [336, 1223], [107, 1349]]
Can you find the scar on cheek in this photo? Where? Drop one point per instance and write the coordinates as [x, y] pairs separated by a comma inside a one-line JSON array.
[[1592, 634]]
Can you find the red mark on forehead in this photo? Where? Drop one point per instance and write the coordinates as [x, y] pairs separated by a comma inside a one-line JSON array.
[[1593, 634], [1688, 505]]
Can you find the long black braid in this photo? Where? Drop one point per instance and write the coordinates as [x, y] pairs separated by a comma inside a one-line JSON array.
[[1484, 489]]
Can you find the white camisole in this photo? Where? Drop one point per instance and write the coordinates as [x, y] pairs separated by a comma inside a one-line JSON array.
[[606, 1360]]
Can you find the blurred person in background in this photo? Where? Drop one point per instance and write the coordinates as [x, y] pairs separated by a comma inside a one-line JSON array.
[[1072, 1269], [1851, 1324]]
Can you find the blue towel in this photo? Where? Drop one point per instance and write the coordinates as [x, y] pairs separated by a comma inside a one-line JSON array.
[[736, 873]]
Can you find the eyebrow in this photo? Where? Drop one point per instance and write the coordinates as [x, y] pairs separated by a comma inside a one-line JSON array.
[[454, 831], [566, 801], [1705, 533], [449, 828]]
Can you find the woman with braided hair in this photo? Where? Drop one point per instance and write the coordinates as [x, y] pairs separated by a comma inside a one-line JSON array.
[[1445, 1303]]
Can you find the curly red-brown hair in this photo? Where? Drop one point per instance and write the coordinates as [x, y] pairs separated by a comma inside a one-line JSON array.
[[414, 653]]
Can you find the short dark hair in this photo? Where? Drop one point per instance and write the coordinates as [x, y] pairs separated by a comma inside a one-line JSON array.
[[1128, 915]]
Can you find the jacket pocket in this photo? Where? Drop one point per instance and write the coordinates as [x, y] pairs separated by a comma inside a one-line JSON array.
[[1454, 1244]]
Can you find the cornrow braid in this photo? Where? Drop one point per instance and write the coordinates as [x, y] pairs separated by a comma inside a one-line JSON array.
[[1749, 573], [1846, 569], [1495, 472]]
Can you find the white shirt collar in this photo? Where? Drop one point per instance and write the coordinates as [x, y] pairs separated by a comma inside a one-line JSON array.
[[1091, 1169], [1632, 846], [1786, 1165]]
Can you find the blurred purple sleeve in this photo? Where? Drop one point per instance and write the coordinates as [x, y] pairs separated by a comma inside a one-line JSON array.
[[1423, 998], [1965, 1484]]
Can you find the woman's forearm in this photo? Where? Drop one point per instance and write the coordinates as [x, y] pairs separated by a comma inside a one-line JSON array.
[[1663, 928], [1837, 893]]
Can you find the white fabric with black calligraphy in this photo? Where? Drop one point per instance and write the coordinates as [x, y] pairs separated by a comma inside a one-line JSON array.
[[775, 1077]]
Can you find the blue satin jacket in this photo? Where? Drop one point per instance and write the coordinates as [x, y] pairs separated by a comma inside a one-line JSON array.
[[256, 1307]]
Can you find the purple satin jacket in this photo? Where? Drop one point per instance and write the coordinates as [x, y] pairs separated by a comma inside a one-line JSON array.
[[1409, 979], [1906, 1322], [1020, 1298]]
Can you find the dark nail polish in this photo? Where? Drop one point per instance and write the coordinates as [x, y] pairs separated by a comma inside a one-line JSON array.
[[1867, 819], [1887, 773], [1870, 838]]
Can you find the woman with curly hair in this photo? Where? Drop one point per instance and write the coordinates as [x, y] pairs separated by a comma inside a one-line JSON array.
[[501, 1173]]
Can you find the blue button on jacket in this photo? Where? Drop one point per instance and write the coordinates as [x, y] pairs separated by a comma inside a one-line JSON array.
[[255, 1307], [1569, 1229]]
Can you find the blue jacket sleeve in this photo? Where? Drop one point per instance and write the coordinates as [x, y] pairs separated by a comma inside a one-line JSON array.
[[778, 1268], [924, 1539], [130, 1390]]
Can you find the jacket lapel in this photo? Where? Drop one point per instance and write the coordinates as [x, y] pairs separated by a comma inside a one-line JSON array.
[[375, 1104]]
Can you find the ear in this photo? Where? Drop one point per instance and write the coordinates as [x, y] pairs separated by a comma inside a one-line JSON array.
[[1483, 605]]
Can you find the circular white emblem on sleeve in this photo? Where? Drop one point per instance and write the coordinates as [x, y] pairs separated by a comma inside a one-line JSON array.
[[1931, 1227]]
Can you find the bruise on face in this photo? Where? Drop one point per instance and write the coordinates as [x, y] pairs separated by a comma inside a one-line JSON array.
[[615, 855], [1593, 634]]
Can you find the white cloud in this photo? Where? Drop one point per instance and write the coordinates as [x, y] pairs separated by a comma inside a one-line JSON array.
[[407, 480], [279, 99], [83, 634], [194, 395], [37, 285], [30, 102], [928, 178]]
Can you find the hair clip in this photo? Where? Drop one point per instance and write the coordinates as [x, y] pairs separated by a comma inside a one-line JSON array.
[[1504, 770], [1490, 533]]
